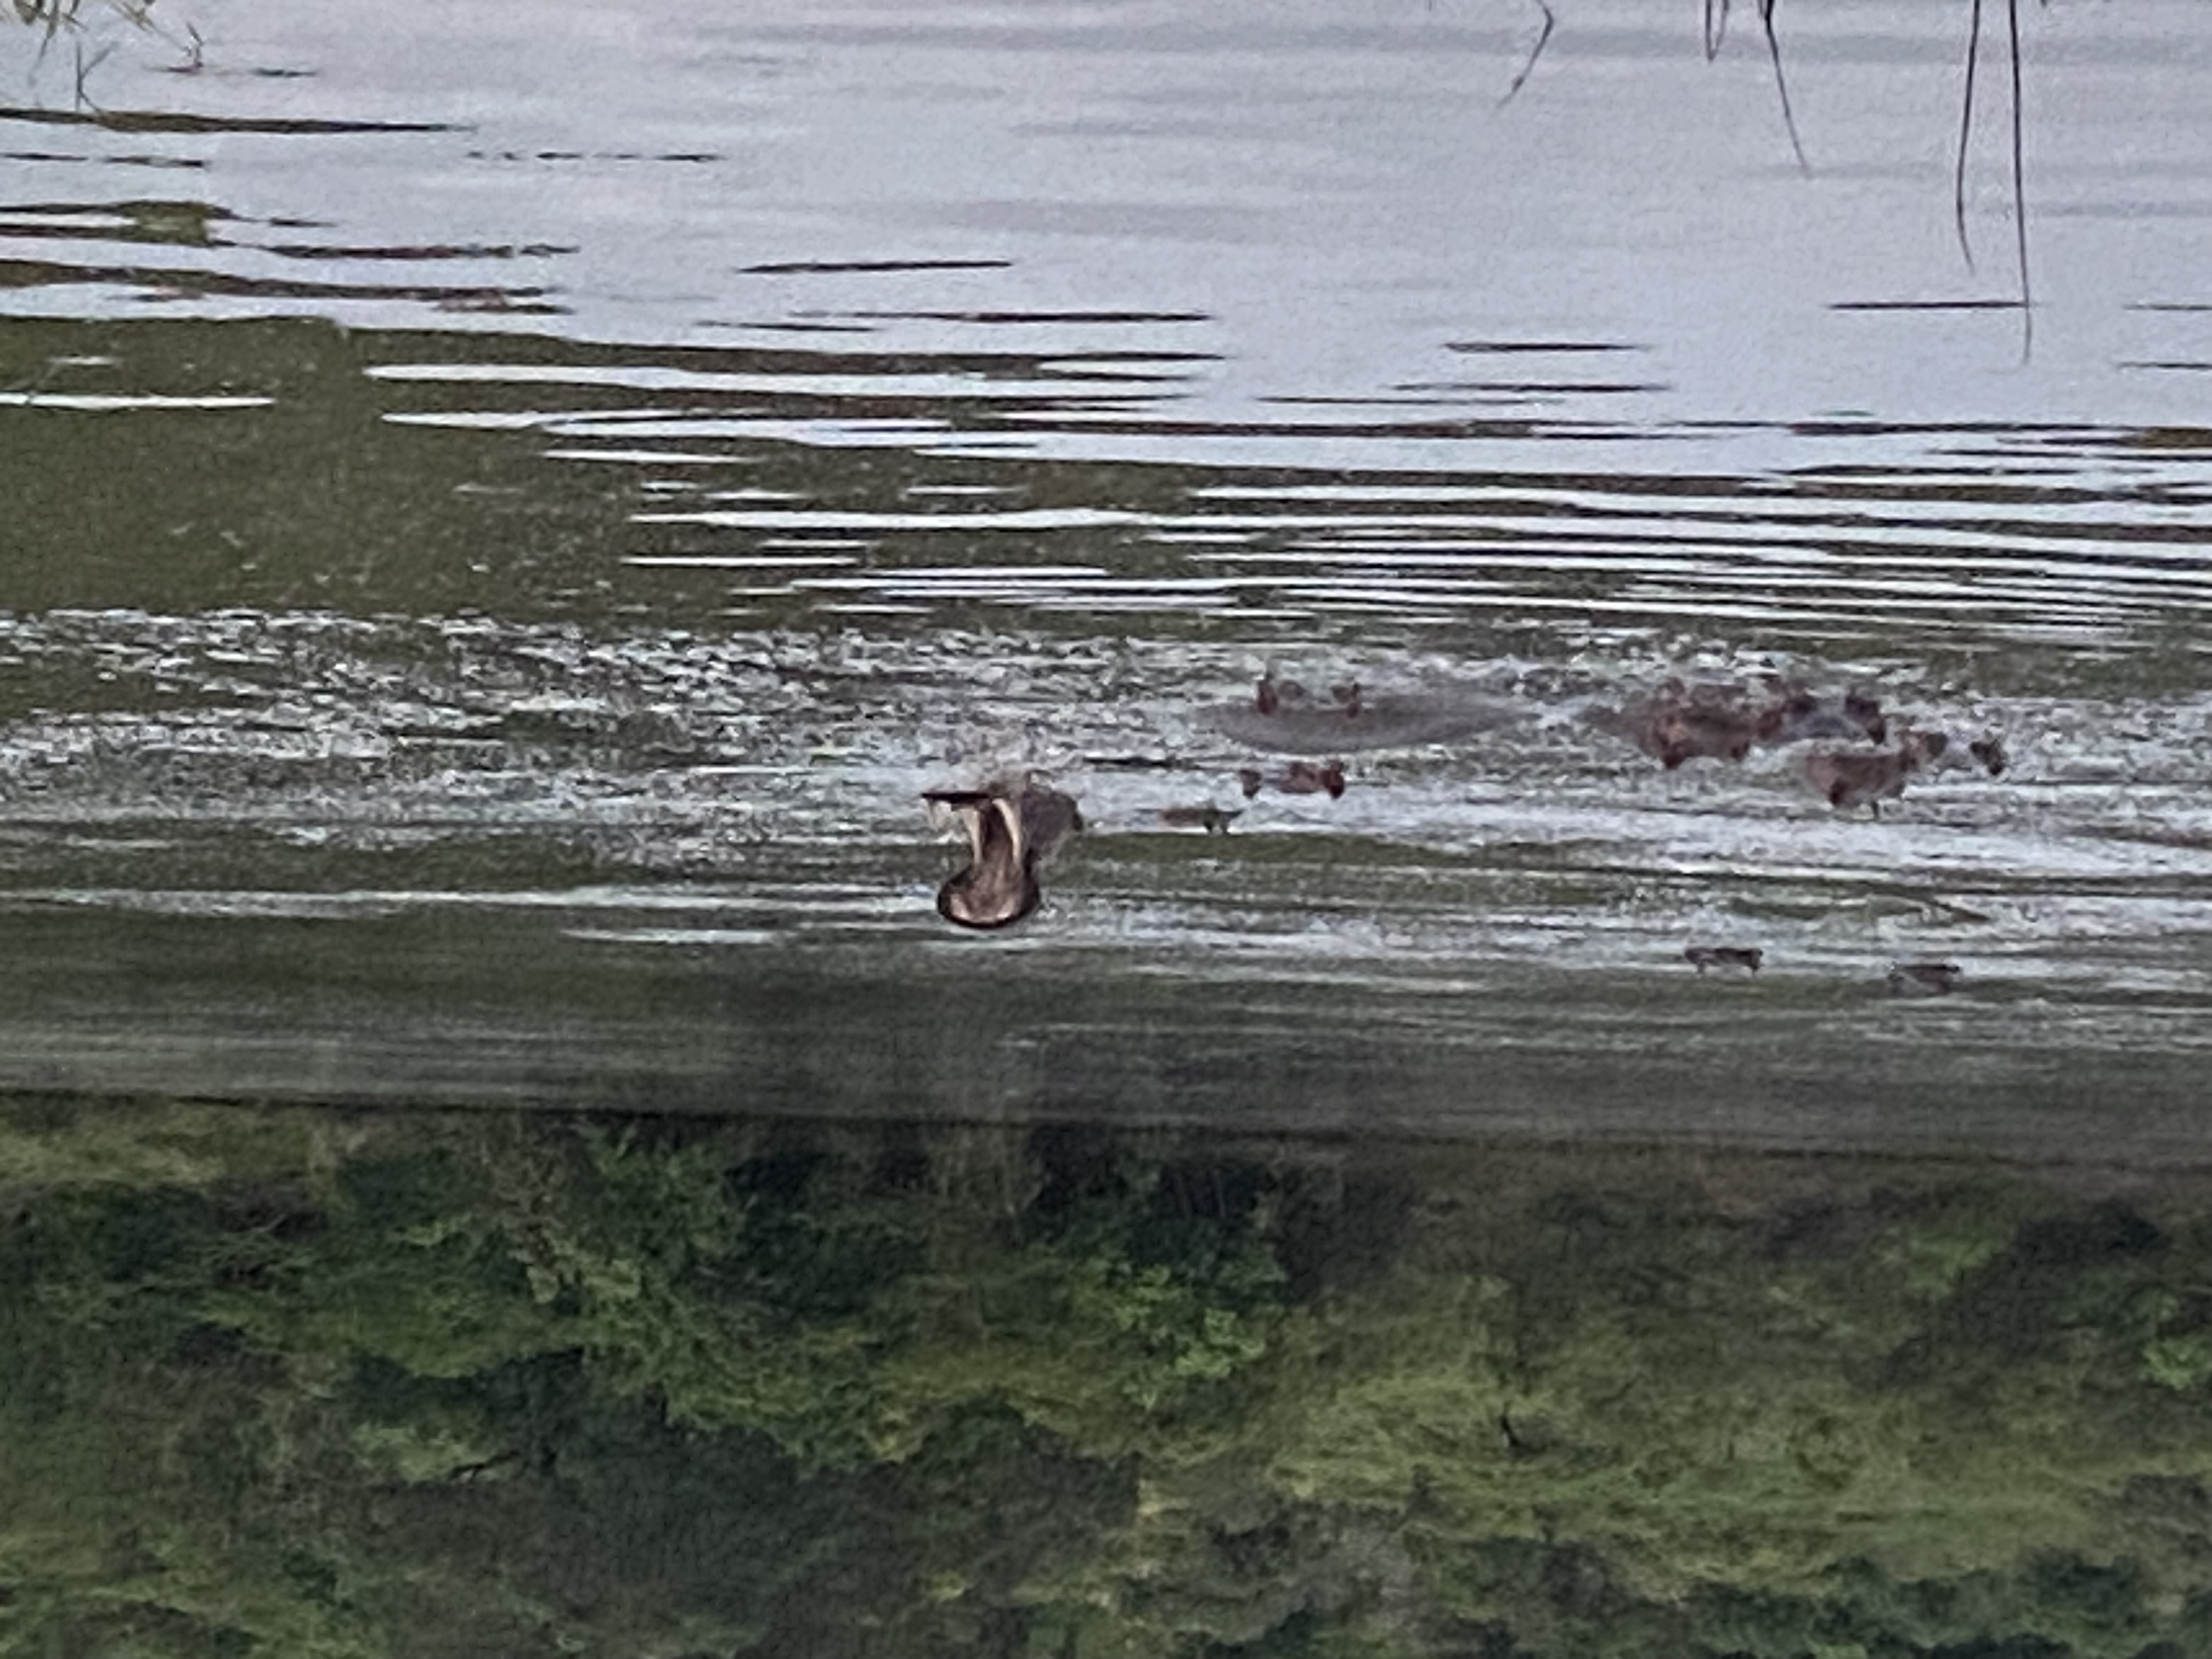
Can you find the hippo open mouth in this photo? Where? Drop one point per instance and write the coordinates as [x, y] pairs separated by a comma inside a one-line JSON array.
[[1010, 833]]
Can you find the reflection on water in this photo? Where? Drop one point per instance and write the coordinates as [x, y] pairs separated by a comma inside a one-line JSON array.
[[361, 1383]]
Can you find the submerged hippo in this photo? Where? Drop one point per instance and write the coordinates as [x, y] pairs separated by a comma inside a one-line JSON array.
[[1283, 717], [1722, 719], [1864, 778]]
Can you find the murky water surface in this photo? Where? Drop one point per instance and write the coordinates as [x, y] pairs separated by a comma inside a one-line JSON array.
[[507, 515]]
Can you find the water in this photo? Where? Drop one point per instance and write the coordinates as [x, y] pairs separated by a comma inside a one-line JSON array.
[[490, 573]]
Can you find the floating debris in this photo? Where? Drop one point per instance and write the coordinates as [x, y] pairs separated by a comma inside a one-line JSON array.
[[1214, 820], [1011, 829], [1724, 958], [1922, 979]]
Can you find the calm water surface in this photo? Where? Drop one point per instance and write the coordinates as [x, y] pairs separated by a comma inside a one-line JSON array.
[[508, 514]]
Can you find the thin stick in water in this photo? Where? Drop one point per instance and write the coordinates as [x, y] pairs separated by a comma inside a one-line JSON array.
[[1967, 134], [1534, 53], [2020, 191], [1781, 86]]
